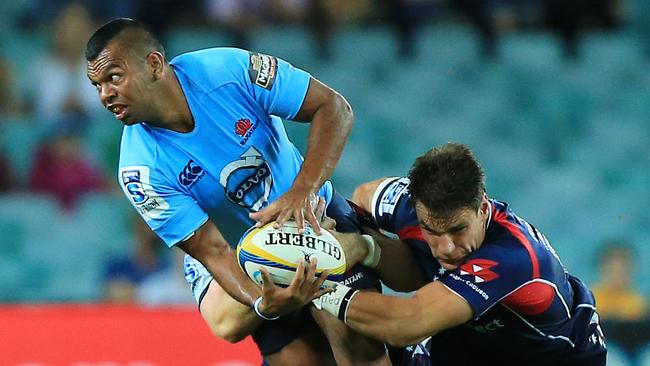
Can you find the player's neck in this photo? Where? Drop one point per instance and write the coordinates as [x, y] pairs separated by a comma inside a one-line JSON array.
[[175, 111]]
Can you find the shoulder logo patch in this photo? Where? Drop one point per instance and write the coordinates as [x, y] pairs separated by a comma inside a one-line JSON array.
[[135, 183], [262, 69], [391, 195]]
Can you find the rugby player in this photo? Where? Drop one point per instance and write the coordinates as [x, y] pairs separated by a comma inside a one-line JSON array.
[[203, 147], [497, 292]]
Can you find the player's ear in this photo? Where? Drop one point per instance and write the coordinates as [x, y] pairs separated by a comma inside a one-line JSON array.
[[485, 206], [156, 64]]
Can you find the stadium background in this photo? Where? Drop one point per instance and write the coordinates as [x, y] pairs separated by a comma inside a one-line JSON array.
[[560, 124]]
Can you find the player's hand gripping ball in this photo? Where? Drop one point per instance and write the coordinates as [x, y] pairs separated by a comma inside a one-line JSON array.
[[279, 250]]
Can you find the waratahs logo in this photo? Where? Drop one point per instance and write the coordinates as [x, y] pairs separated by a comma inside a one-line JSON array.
[[190, 174], [242, 126]]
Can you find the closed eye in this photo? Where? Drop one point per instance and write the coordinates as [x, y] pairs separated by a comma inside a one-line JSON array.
[[457, 230]]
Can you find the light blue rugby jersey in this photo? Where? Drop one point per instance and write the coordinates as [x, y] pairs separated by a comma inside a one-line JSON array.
[[237, 159]]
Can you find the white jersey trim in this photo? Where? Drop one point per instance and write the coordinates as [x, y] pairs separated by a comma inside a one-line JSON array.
[[377, 194], [550, 336]]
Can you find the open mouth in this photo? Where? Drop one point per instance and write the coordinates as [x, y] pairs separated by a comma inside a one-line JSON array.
[[118, 110]]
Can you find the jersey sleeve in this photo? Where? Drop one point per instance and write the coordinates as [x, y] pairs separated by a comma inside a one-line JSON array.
[[272, 83], [394, 213], [170, 213], [391, 206], [277, 86], [197, 276], [489, 275]]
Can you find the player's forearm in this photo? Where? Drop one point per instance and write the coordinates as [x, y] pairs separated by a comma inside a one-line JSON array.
[[210, 248], [225, 270], [235, 325], [399, 321], [330, 127], [228, 319], [387, 318]]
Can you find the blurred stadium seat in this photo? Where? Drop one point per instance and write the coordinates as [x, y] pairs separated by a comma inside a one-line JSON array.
[[617, 357], [19, 139], [644, 356]]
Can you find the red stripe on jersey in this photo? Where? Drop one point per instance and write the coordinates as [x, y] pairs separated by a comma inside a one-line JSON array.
[[514, 230], [498, 215], [411, 232], [531, 299]]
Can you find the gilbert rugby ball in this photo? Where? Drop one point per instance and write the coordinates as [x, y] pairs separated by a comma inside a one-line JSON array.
[[279, 250]]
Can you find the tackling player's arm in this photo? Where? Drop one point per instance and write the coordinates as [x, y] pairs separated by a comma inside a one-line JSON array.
[[363, 193], [331, 121], [391, 258], [398, 321], [210, 248], [227, 318]]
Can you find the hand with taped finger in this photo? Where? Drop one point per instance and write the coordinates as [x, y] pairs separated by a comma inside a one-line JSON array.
[[304, 287]]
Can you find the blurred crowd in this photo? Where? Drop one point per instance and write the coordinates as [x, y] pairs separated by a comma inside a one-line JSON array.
[[63, 105], [63, 101]]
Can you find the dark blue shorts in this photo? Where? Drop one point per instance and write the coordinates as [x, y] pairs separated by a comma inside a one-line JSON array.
[[271, 336]]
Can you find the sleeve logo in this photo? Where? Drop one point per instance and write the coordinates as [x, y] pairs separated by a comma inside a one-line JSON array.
[[262, 70], [135, 184], [392, 195]]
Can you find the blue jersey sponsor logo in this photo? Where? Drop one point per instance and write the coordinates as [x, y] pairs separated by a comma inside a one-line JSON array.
[[190, 174], [262, 70], [247, 181]]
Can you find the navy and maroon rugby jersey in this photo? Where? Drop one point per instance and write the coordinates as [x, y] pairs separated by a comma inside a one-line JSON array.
[[527, 308]]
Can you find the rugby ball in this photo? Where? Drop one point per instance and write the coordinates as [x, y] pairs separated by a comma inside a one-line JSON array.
[[279, 250]]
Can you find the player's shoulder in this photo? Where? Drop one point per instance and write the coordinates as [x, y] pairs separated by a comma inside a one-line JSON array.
[[139, 144], [138, 155], [510, 234], [211, 67], [509, 223], [207, 56]]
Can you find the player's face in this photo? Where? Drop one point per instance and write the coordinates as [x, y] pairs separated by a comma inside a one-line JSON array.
[[123, 84], [451, 239]]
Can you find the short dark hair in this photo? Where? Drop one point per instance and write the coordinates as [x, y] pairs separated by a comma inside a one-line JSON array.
[[446, 179], [142, 36]]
